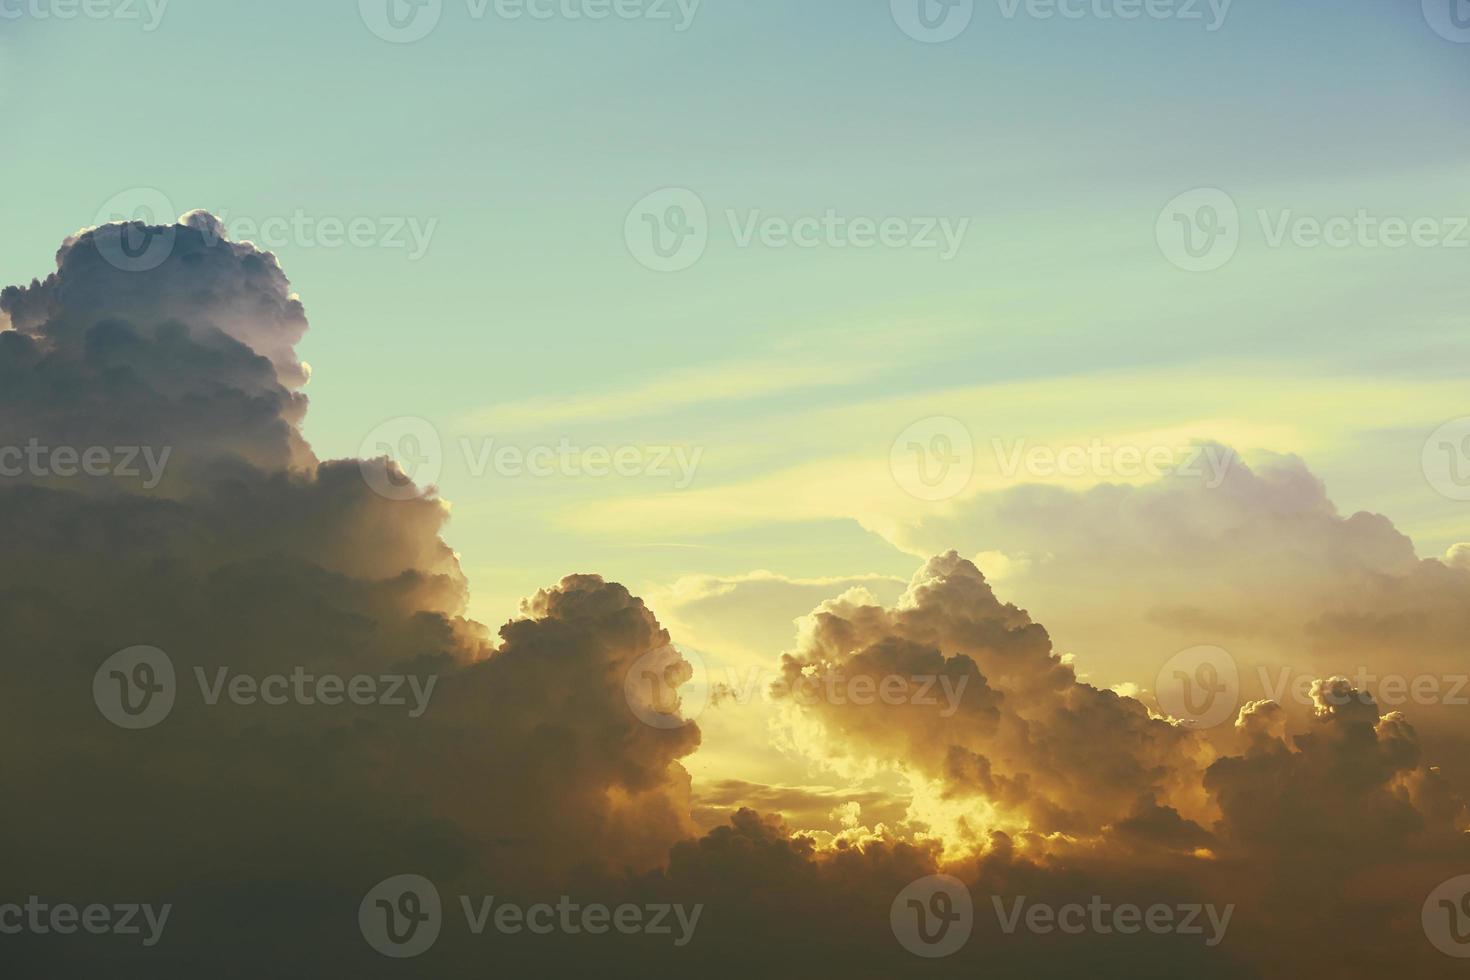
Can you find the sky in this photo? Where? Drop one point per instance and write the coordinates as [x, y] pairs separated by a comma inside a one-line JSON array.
[[524, 144], [838, 331]]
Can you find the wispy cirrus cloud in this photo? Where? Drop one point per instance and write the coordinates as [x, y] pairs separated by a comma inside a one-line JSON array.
[[686, 388]]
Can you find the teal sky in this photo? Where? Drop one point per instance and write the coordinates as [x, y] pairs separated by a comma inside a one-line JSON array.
[[527, 319]]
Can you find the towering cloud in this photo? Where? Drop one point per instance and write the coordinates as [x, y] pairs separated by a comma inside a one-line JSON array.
[[513, 761]]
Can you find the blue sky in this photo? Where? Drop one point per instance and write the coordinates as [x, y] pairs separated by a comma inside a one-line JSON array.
[[519, 147]]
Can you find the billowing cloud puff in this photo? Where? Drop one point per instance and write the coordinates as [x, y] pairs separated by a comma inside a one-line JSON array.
[[192, 358], [987, 710], [187, 273], [1351, 783]]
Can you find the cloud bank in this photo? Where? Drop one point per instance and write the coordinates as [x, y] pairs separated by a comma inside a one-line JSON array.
[[529, 771]]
